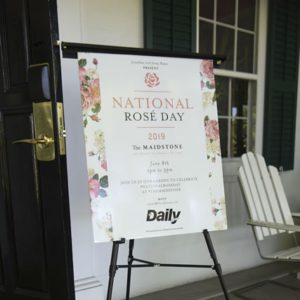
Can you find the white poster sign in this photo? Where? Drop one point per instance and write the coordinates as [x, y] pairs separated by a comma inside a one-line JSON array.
[[152, 145]]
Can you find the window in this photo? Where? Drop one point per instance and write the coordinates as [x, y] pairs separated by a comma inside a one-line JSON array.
[[229, 28]]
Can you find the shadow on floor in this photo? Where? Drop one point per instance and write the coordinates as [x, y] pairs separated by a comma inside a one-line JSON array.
[[274, 281], [285, 288]]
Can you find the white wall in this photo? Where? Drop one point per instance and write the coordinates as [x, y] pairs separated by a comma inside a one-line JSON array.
[[117, 22], [98, 22]]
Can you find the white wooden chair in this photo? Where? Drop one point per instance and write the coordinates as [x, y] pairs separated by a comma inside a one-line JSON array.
[[270, 215]]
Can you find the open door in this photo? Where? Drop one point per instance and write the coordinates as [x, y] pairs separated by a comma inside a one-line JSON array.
[[35, 239]]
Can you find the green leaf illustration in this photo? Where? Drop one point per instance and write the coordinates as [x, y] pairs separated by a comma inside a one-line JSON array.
[[210, 85], [85, 122], [96, 176], [96, 108], [104, 181], [82, 62]]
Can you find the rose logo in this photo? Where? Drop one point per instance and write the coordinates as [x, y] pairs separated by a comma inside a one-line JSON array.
[[152, 80]]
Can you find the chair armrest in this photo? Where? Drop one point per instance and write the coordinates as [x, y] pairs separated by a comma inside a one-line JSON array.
[[295, 215], [275, 225]]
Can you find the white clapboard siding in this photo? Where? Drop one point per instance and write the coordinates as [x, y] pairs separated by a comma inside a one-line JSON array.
[[253, 190]]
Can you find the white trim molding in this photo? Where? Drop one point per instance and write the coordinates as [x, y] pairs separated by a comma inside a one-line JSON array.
[[261, 70], [89, 288], [86, 283]]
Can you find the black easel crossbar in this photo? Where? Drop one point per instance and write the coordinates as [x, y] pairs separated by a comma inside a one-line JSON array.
[[141, 263], [70, 50], [146, 263]]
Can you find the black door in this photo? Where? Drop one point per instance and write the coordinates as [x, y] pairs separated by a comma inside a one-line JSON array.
[[35, 242]]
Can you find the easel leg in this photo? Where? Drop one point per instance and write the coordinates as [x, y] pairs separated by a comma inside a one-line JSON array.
[[217, 266], [130, 261], [112, 268]]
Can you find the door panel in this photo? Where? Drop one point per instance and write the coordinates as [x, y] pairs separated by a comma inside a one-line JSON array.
[[25, 204], [35, 239], [14, 46], [1, 272]]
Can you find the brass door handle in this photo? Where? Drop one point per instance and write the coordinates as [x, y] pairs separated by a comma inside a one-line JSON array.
[[43, 141]]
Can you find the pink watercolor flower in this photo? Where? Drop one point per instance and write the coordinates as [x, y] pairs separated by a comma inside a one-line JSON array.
[[94, 187], [207, 69], [212, 129], [82, 75], [90, 94], [104, 164]]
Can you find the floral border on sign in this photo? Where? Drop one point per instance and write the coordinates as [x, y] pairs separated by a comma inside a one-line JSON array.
[[212, 134], [98, 182]]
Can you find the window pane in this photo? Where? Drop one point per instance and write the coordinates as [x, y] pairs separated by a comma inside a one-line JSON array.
[[238, 137], [245, 52], [226, 11], [205, 38], [206, 9], [223, 125], [246, 14], [239, 100], [224, 46], [221, 95]]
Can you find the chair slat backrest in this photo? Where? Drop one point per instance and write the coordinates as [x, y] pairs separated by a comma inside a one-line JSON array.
[[264, 194], [285, 209], [250, 203], [254, 193], [268, 184]]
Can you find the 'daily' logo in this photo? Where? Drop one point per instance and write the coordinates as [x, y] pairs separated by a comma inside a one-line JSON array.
[[168, 215], [152, 80]]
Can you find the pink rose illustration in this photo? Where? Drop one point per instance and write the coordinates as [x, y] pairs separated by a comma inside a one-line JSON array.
[[152, 80], [82, 75], [90, 94], [212, 129], [207, 71], [207, 68], [94, 187], [104, 164]]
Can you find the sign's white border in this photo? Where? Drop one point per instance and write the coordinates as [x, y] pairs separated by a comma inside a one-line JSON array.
[[152, 145]]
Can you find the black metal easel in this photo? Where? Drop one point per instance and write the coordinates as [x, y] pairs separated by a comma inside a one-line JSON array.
[[70, 50], [145, 263]]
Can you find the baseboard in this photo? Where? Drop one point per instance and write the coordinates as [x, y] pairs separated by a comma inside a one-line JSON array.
[[87, 283]]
